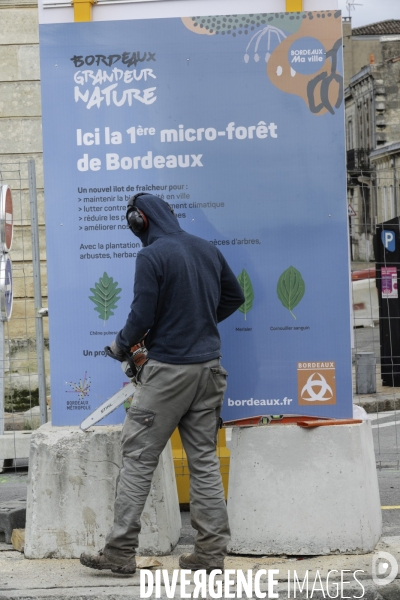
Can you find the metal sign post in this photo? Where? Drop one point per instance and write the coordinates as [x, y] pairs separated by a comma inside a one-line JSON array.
[[37, 291]]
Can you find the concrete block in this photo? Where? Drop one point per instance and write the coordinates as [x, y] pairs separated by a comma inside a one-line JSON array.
[[12, 516], [15, 444], [298, 491], [19, 26], [32, 418], [20, 99], [71, 494], [21, 135]]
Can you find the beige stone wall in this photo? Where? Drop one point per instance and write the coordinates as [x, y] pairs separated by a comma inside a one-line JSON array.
[[362, 50], [357, 51], [347, 52], [386, 77], [373, 107], [20, 139]]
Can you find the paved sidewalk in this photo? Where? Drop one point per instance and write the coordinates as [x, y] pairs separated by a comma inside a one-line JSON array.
[[53, 579]]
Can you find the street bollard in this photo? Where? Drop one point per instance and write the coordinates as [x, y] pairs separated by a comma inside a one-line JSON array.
[[365, 373]]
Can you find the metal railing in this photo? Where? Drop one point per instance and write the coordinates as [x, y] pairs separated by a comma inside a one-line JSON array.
[[22, 366], [375, 203], [26, 347]]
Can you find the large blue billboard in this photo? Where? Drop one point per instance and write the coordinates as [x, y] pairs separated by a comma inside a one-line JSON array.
[[237, 121]]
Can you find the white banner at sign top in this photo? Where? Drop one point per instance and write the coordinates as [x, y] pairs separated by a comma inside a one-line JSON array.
[[116, 10]]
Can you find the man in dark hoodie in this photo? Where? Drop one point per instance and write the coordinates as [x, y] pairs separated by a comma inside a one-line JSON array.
[[183, 288]]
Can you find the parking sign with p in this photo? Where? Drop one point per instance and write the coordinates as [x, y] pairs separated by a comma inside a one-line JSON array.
[[388, 240]]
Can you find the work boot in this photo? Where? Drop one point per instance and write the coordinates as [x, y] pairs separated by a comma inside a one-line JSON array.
[[194, 563], [100, 562]]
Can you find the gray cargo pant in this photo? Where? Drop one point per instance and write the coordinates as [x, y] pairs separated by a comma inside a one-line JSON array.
[[169, 396]]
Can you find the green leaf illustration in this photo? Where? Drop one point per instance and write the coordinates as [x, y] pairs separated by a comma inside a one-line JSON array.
[[290, 288], [105, 296], [246, 285]]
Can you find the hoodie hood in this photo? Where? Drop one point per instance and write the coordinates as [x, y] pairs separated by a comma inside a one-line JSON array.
[[161, 220]]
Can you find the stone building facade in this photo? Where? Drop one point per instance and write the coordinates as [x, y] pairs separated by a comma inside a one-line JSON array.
[[20, 139], [362, 45], [386, 164], [372, 101]]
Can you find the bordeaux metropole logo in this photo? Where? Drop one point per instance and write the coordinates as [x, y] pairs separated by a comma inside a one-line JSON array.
[[384, 568]]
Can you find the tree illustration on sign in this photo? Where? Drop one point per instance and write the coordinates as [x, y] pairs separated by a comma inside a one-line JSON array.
[[290, 288], [246, 285], [105, 296]]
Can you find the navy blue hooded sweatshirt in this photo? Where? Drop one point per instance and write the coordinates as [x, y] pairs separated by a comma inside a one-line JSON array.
[[183, 288]]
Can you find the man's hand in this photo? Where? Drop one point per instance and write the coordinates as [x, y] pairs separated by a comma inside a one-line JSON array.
[[117, 350]]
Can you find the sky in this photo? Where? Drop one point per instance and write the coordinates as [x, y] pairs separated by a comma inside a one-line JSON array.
[[371, 11]]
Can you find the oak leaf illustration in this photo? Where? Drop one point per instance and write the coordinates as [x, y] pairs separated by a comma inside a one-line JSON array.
[[105, 296]]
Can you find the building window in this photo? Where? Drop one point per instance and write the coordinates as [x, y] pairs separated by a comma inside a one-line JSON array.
[[350, 143]]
